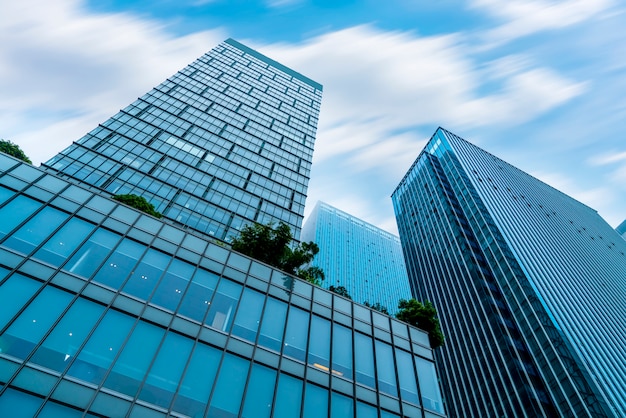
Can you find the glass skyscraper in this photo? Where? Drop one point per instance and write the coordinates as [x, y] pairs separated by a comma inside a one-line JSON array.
[[528, 282], [109, 312], [363, 258]]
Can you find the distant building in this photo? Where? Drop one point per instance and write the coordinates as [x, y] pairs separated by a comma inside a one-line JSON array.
[[621, 229], [528, 282], [366, 260]]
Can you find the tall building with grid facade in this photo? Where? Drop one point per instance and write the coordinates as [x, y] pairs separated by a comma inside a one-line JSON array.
[[109, 312], [528, 282], [226, 141], [359, 256]]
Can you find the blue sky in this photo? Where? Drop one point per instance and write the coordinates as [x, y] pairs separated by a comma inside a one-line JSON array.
[[539, 83]]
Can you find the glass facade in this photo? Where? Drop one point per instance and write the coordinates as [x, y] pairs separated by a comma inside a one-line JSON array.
[[224, 142], [528, 283], [366, 260]]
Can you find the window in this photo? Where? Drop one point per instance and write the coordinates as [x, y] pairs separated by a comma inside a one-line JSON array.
[[273, 324], [258, 402], [288, 397], [198, 297], [120, 264], [248, 315], [296, 333], [64, 242], [15, 212], [31, 234], [342, 351], [14, 294], [406, 376], [92, 253], [364, 360], [221, 314], [146, 275], [386, 369], [431, 397], [319, 345], [315, 402], [226, 399], [173, 284]]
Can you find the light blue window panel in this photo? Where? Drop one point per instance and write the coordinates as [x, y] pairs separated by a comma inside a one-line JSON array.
[[228, 394], [167, 370], [364, 410], [120, 264], [364, 360], [319, 344], [296, 333], [64, 242], [30, 327], [223, 306], [342, 351], [429, 386], [198, 297], [341, 406], [132, 365], [31, 234], [173, 285], [288, 397], [14, 293], [92, 253], [406, 377], [5, 194], [258, 403], [19, 404], [196, 385], [146, 275], [15, 212], [249, 315], [54, 410], [60, 347], [385, 414], [273, 323], [95, 358], [315, 402], [386, 369]]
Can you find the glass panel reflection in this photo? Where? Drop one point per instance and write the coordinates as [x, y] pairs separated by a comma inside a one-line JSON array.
[[120, 264], [15, 212], [315, 402], [273, 324], [31, 234], [296, 333], [319, 345], [222, 310], [386, 369], [364, 360], [14, 293], [64, 242], [340, 406], [146, 275], [228, 393], [406, 377], [92, 253], [197, 300], [173, 284], [431, 397], [342, 351], [260, 392], [248, 315], [288, 397]]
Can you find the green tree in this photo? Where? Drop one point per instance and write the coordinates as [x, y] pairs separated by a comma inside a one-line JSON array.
[[422, 316], [377, 307], [273, 246], [10, 148], [340, 290], [139, 203]]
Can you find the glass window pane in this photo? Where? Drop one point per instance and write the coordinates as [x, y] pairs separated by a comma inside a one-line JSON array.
[[258, 403], [30, 327], [364, 360], [195, 387], [228, 393], [273, 324], [296, 333], [199, 294], [173, 284], [288, 397], [54, 410], [166, 371], [386, 369], [19, 403], [15, 212], [95, 358], [119, 264], [14, 293], [340, 406], [60, 347], [61, 245], [315, 402], [319, 345], [5, 194], [364, 410], [342, 351], [147, 274], [92, 253], [429, 386], [248, 315], [35, 230], [406, 377], [223, 305]]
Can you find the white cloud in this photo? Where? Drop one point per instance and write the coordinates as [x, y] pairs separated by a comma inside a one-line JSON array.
[[606, 159]]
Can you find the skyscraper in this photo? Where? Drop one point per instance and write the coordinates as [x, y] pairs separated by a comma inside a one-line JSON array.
[[109, 312], [363, 258], [226, 141], [528, 282]]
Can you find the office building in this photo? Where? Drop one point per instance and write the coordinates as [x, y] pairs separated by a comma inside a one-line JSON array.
[[528, 282], [359, 256], [110, 312], [621, 229], [225, 142]]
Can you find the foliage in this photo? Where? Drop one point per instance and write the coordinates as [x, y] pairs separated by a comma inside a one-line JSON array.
[[273, 246], [377, 307], [422, 316], [139, 203], [14, 150], [340, 290]]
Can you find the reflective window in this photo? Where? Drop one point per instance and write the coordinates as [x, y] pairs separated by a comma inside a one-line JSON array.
[[273, 324], [19, 403], [54, 410], [364, 360], [5, 194], [173, 284], [132, 365], [146, 275], [342, 351], [319, 345], [36, 230], [94, 359], [315, 402], [64, 242], [364, 410], [120, 264], [30, 327], [198, 297], [431, 397], [222, 310], [288, 397], [229, 386], [14, 293], [196, 385], [248, 315], [15, 212], [92, 253], [406, 377], [341, 406], [385, 368], [166, 370], [296, 333], [59, 348], [260, 392]]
